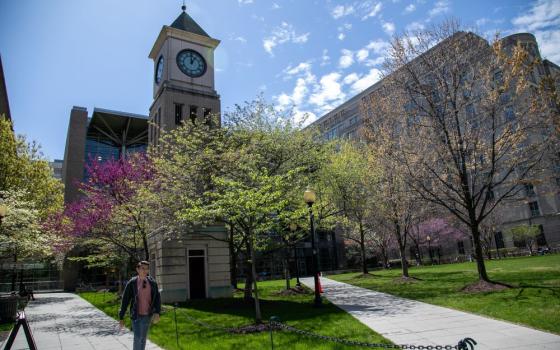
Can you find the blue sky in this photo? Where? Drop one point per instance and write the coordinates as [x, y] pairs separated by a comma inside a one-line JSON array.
[[309, 54]]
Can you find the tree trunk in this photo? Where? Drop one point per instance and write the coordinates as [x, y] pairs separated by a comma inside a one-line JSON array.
[[402, 249], [363, 249], [482, 275], [258, 317], [404, 262], [249, 276], [287, 270], [233, 259], [14, 271], [146, 250]]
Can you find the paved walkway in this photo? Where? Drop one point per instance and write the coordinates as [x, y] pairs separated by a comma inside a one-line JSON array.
[[66, 321], [405, 321]]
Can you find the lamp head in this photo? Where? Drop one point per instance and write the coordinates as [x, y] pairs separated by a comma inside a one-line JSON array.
[[428, 238], [309, 196], [293, 226], [3, 210]]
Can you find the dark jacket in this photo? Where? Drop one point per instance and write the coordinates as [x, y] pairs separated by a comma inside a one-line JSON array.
[[130, 295]]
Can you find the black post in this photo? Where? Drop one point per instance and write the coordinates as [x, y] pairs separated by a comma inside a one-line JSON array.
[[317, 300], [176, 332], [298, 284]]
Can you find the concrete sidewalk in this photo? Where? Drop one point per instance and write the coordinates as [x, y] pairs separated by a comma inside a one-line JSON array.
[[66, 321], [405, 321]]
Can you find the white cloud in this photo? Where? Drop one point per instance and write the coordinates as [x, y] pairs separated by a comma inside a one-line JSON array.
[[378, 46], [347, 59], [440, 7], [244, 2], [329, 93], [481, 21], [375, 62], [362, 54], [283, 34], [374, 11], [544, 13], [302, 70], [366, 81], [341, 36], [351, 78], [275, 6], [302, 67], [410, 8], [325, 58], [304, 117], [414, 26], [543, 20], [241, 39], [389, 28], [341, 11]]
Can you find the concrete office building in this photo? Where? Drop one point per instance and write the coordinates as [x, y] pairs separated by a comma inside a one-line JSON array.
[[538, 205]]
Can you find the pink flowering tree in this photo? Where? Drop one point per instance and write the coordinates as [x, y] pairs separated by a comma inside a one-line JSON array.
[[110, 210], [434, 233]]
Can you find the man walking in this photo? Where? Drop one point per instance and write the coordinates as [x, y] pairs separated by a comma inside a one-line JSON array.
[[142, 293]]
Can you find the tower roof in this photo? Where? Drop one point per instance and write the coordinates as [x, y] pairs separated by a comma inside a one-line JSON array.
[[186, 23]]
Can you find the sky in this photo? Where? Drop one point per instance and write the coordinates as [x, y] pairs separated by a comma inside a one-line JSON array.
[[308, 55]]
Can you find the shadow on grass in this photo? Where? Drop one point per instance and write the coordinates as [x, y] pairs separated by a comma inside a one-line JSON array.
[[286, 310]]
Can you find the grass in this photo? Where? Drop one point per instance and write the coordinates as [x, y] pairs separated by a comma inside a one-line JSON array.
[[534, 301], [294, 310]]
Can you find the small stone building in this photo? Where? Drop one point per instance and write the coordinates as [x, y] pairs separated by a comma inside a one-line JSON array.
[[195, 266]]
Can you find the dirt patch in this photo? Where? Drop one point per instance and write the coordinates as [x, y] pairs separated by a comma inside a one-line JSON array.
[[252, 328], [293, 291], [404, 279], [366, 275], [483, 286]]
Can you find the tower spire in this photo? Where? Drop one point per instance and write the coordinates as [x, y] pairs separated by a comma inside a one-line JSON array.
[[184, 7]]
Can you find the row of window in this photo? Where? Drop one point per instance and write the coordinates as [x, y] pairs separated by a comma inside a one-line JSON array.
[[193, 113]]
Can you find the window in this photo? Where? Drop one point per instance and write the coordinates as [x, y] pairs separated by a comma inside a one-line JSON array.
[[471, 116], [461, 247], [529, 190], [491, 195], [534, 209], [499, 77], [193, 112], [509, 114], [541, 238], [504, 98], [207, 116], [178, 113], [499, 238]]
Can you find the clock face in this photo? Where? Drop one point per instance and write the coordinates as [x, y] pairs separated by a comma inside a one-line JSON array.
[[191, 63], [159, 70]]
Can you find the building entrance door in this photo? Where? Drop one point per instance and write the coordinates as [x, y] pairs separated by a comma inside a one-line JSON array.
[[197, 274]]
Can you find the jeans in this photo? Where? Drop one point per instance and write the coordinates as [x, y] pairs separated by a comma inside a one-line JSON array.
[[140, 327]]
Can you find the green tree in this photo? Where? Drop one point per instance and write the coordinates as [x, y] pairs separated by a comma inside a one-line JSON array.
[[30, 193], [527, 234], [350, 181], [249, 174]]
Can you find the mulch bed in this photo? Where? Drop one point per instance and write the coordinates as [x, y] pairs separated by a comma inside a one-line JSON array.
[[293, 291], [483, 286]]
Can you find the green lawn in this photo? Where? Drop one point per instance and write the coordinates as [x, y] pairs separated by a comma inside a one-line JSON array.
[[535, 300], [295, 310]]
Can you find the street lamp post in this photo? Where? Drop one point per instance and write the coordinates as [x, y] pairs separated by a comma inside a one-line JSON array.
[[428, 238], [309, 198], [293, 228]]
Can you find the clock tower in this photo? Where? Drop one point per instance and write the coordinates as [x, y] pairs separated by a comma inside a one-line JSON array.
[[183, 78]]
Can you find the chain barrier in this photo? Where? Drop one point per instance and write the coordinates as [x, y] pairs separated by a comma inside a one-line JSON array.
[[465, 344], [275, 324]]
